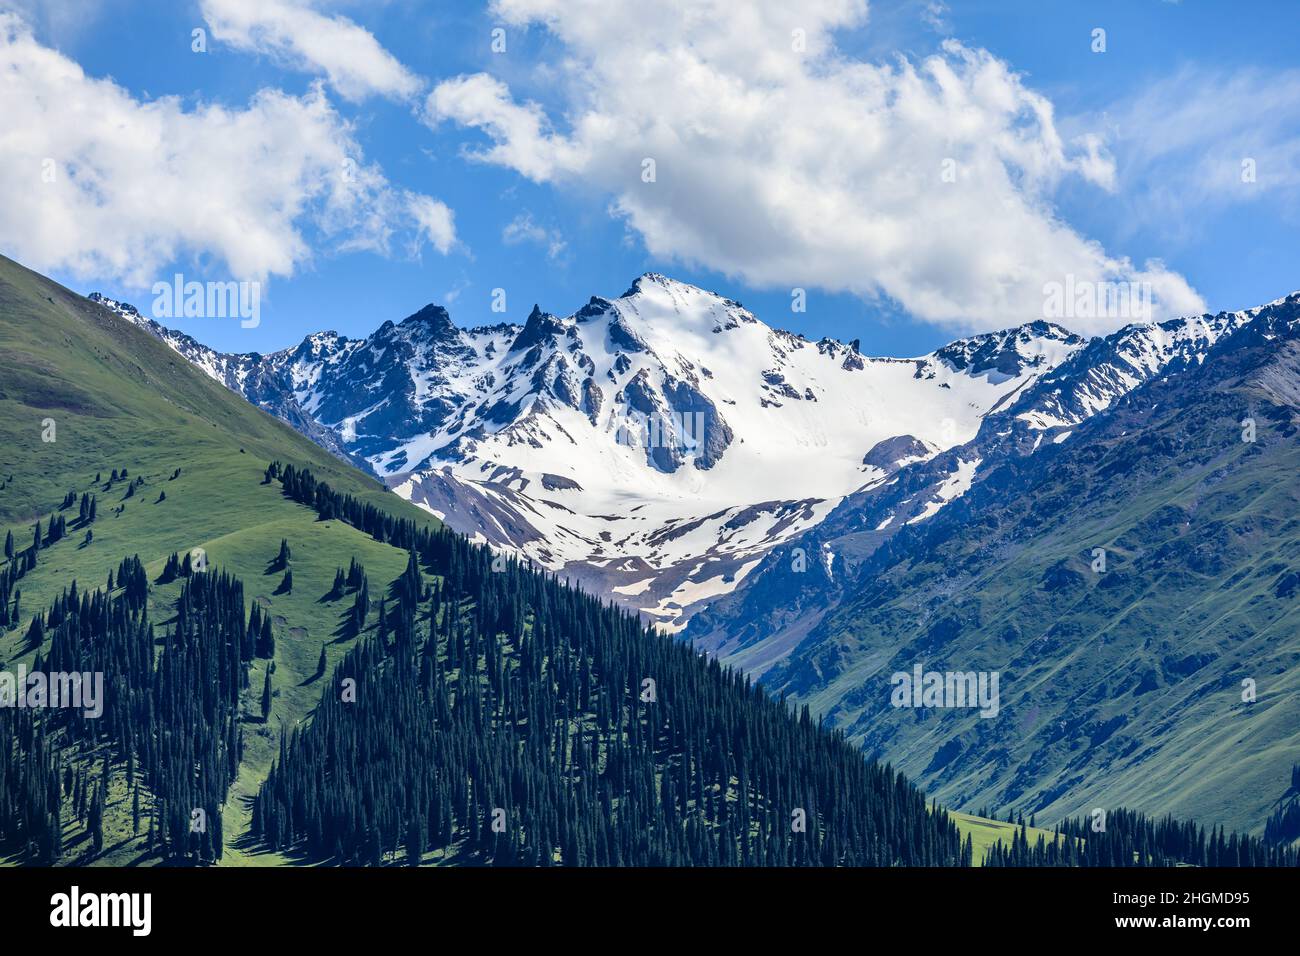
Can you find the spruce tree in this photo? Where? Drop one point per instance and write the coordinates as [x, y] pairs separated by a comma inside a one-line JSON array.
[[414, 842], [96, 824], [266, 695], [266, 642]]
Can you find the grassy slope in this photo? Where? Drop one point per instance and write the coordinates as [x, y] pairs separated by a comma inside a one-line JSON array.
[[122, 399], [1122, 689], [985, 833]]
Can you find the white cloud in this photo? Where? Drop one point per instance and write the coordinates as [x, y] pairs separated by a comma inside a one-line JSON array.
[[138, 185], [1200, 141], [436, 222], [348, 55], [451, 295], [802, 167], [521, 135], [935, 14], [523, 228], [64, 21]]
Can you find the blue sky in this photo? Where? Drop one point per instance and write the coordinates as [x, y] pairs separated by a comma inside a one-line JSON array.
[[768, 176]]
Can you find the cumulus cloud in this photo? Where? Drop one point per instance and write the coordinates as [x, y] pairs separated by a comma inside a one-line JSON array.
[[347, 55], [521, 134], [782, 161], [101, 184]]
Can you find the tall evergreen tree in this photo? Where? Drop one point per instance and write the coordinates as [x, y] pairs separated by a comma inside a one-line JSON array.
[[266, 641], [266, 695], [96, 824]]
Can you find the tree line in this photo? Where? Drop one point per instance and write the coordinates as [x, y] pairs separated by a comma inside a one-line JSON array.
[[1123, 838]]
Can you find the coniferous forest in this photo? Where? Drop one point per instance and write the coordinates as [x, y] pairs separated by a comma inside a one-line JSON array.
[[492, 715], [498, 716], [170, 717], [1128, 838]]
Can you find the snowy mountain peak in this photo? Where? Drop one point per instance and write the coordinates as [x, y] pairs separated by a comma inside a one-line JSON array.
[[656, 446], [679, 307], [319, 345], [1108, 368], [659, 442], [434, 319], [647, 282], [1010, 351], [540, 328]]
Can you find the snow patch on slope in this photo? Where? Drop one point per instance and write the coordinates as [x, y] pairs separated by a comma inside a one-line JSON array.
[[953, 488]]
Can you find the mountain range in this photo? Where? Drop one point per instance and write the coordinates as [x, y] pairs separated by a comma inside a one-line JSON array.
[[761, 494], [1136, 583], [653, 447]]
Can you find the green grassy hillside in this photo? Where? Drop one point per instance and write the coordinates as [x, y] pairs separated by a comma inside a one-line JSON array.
[[119, 399], [984, 833]]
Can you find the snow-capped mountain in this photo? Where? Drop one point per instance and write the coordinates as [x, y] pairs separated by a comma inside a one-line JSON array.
[[1113, 366], [658, 445], [781, 603], [1120, 581]]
